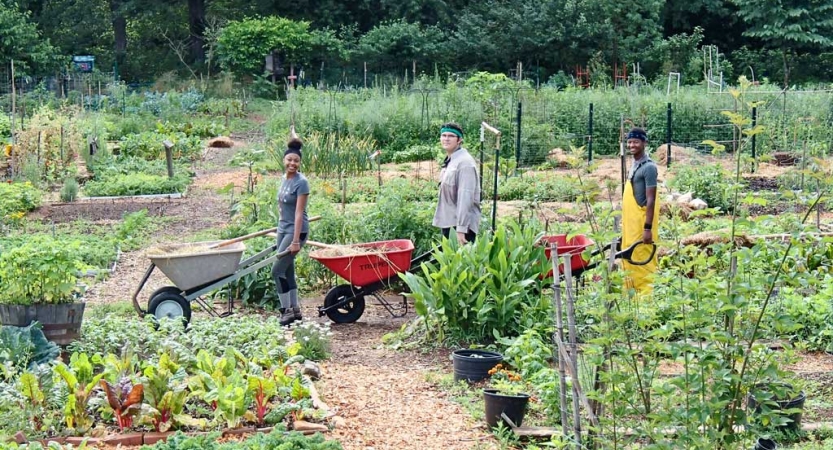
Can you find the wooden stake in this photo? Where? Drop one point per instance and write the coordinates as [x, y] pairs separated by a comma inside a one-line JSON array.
[[571, 324], [558, 337]]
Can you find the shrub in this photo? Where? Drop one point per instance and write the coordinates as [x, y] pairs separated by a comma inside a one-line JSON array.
[[707, 182], [313, 339], [16, 199], [416, 153], [69, 191]]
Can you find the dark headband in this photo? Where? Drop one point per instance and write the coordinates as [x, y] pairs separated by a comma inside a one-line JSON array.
[[638, 134], [289, 150]]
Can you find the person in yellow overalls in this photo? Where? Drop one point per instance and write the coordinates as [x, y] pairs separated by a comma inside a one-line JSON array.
[[640, 211]]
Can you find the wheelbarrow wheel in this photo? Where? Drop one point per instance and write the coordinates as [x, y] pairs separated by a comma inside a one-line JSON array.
[[348, 312], [164, 289], [171, 305]]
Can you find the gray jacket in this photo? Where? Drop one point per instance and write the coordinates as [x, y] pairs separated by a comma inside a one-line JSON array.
[[459, 204]]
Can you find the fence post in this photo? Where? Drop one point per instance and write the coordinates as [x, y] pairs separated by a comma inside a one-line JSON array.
[[494, 194], [482, 144], [668, 137], [590, 135], [518, 139], [754, 123]]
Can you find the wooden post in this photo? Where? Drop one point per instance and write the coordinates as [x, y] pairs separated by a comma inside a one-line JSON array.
[[413, 70], [169, 157], [14, 107]]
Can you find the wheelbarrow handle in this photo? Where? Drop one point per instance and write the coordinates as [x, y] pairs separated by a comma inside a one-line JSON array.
[[252, 235], [627, 254]]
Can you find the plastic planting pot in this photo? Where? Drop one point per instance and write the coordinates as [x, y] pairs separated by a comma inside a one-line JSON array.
[[769, 399], [474, 365], [514, 406]]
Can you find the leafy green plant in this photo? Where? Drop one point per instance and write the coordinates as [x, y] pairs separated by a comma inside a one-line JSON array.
[[41, 271], [136, 184], [148, 145], [479, 292], [25, 347]]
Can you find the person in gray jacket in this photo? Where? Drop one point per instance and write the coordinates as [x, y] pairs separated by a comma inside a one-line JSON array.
[[459, 203]]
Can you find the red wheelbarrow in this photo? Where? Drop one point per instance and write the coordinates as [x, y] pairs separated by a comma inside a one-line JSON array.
[[367, 274]]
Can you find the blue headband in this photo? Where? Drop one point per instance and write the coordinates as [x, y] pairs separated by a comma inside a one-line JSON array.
[[638, 134]]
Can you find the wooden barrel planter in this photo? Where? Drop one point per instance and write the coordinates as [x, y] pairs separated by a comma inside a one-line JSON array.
[[61, 322]]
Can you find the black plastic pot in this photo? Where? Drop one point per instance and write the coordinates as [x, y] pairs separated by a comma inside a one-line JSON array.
[[765, 444], [474, 365], [514, 406], [779, 404]]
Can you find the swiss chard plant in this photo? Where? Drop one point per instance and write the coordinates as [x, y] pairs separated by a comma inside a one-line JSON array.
[[80, 381], [166, 391], [125, 399]]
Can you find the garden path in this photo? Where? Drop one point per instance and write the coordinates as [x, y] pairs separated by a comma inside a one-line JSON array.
[[381, 395]]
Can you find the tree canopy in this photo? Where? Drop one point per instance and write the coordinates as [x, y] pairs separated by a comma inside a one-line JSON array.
[[145, 38]]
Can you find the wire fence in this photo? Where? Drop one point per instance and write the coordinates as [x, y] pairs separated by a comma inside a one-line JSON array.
[[536, 124]]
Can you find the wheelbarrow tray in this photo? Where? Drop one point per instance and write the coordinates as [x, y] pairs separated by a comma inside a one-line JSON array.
[[384, 260], [574, 246], [190, 269]]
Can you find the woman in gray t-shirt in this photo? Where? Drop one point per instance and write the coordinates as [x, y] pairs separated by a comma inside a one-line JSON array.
[[293, 227]]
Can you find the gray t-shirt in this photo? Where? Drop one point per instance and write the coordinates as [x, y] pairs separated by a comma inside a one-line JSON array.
[[288, 194], [642, 175]]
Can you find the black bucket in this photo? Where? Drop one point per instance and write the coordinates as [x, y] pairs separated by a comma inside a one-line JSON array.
[[474, 365], [514, 406], [765, 444], [777, 404]]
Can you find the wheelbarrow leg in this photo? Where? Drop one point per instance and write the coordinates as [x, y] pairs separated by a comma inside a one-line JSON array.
[[144, 281]]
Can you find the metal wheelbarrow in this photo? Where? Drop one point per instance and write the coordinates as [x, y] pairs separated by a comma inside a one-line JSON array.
[[195, 269]]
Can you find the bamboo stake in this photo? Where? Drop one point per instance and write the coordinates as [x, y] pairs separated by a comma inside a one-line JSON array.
[[571, 324], [558, 336], [14, 104]]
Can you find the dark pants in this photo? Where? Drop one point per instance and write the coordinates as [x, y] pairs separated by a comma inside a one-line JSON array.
[[283, 270], [470, 235]]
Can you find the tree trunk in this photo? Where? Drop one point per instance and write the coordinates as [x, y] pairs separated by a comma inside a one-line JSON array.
[[196, 25], [785, 52], [119, 32]]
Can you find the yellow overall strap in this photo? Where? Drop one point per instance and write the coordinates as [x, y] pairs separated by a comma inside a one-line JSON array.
[[633, 224]]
